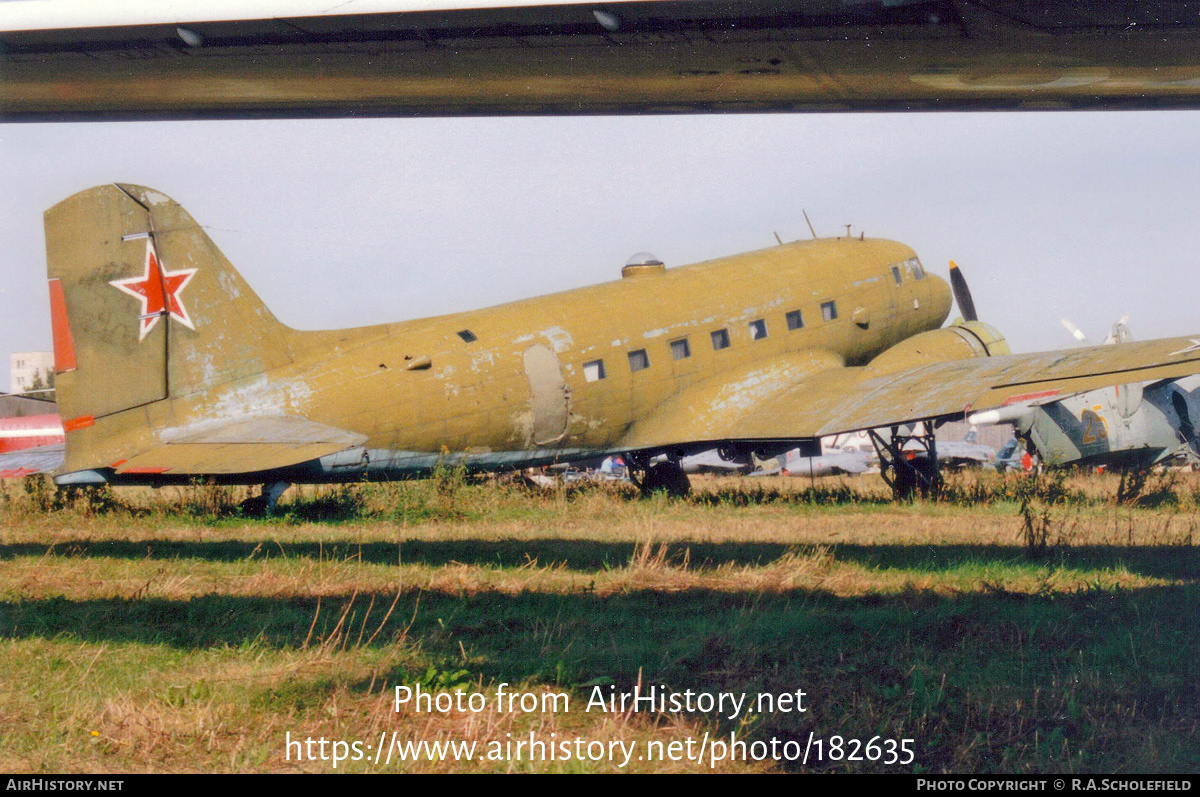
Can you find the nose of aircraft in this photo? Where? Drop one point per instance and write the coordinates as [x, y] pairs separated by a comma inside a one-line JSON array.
[[939, 298]]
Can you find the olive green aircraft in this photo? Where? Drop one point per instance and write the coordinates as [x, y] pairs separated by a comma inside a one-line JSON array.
[[170, 369]]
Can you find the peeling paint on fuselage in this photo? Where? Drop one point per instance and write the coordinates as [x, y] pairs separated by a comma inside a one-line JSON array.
[[559, 338], [262, 396], [725, 293]]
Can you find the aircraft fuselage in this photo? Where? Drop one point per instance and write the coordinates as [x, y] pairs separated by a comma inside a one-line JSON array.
[[566, 375]]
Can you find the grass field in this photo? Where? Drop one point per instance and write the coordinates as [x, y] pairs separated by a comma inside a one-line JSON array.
[[1021, 625]]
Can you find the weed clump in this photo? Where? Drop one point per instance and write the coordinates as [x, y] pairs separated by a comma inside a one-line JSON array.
[[1148, 489], [42, 496], [1044, 525]]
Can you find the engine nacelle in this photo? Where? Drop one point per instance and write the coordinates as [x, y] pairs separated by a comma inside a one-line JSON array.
[[957, 342]]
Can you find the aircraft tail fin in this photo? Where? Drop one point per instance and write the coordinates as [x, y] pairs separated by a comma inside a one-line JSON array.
[[144, 308]]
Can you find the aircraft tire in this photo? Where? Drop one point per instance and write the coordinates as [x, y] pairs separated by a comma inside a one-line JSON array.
[[918, 476], [255, 506], [930, 482], [666, 477], [904, 482]]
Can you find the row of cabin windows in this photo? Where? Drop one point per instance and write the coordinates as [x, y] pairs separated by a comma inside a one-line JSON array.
[[720, 338], [639, 360]]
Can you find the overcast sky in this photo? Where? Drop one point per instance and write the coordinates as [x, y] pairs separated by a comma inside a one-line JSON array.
[[340, 223]]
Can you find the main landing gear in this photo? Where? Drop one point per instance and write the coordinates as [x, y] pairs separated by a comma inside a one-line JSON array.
[[665, 476], [909, 472]]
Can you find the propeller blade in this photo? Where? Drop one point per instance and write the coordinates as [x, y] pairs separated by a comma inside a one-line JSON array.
[[962, 294], [1075, 331], [1120, 332]]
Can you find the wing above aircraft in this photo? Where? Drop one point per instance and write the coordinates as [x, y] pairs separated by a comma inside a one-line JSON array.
[[76, 59]]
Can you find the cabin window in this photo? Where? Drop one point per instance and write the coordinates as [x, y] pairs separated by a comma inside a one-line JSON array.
[[680, 350], [638, 360], [896, 274], [758, 329], [720, 339], [918, 271], [829, 310], [794, 320], [467, 335], [594, 371]]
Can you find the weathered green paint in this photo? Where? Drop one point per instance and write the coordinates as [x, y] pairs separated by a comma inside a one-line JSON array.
[[518, 386]]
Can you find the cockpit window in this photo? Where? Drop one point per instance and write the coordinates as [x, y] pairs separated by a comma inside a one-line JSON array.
[[918, 271], [896, 274]]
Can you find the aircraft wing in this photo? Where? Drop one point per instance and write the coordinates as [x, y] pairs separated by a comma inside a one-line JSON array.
[[246, 445], [28, 461], [83, 60], [833, 400]]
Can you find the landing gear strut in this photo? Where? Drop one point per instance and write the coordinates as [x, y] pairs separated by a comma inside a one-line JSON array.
[[665, 477], [909, 473]]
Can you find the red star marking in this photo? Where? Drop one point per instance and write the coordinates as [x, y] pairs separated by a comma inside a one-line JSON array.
[[159, 292]]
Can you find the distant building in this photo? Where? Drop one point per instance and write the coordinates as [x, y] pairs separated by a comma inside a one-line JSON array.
[[31, 371]]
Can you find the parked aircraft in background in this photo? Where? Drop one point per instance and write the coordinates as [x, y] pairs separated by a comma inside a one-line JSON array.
[[1136, 425], [30, 444], [1013, 456], [711, 461], [830, 462], [1126, 426], [965, 453]]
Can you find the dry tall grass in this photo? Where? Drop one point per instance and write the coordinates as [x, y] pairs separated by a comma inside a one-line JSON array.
[[160, 631]]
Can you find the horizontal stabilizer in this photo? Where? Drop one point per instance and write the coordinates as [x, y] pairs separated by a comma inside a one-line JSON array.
[[246, 445]]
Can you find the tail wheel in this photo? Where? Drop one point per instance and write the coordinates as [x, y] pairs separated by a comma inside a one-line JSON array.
[[666, 477]]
